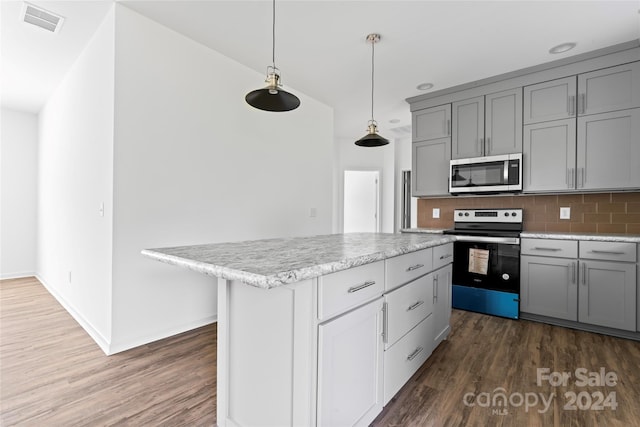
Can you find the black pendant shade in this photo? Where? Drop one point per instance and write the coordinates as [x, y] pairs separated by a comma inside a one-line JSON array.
[[266, 99], [272, 97]]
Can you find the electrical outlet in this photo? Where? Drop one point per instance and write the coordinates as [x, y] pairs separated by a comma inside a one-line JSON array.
[[436, 212], [313, 212], [565, 213]]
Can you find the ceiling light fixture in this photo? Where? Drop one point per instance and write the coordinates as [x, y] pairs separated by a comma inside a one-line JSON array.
[[424, 86], [372, 139], [561, 48], [272, 97]]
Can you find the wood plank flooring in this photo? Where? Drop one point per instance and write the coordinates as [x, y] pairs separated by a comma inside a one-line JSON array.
[[53, 374]]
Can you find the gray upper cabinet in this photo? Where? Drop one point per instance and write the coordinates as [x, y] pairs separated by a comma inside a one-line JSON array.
[[468, 128], [608, 294], [552, 100], [431, 151], [549, 156], [487, 125], [431, 123], [430, 167], [608, 150], [609, 89]]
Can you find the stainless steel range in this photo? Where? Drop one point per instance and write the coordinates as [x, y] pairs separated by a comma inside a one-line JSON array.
[[486, 266]]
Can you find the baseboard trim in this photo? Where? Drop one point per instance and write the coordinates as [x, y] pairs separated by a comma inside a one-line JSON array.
[[99, 339], [19, 275], [619, 333], [156, 336]]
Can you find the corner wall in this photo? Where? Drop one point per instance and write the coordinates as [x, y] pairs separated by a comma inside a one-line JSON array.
[[75, 164], [195, 164], [18, 184]]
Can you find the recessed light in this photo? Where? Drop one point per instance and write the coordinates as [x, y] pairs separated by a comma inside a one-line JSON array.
[[424, 86], [394, 121], [561, 48]]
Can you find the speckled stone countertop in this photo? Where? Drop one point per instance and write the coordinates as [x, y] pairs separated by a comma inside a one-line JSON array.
[[630, 238], [274, 262], [423, 230]]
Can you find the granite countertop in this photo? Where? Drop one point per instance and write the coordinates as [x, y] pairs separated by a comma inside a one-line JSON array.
[[630, 238], [423, 230], [274, 262]]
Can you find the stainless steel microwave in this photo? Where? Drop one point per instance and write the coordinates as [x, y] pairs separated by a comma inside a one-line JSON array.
[[491, 174]]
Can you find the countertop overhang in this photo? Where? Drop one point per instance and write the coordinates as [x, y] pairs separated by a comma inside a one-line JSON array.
[[270, 263]]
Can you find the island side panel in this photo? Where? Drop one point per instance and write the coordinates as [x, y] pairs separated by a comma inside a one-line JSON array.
[[265, 354]]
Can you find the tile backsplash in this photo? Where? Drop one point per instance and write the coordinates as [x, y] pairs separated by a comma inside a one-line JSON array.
[[608, 213]]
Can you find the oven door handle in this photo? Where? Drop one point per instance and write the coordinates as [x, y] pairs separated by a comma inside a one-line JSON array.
[[488, 239]]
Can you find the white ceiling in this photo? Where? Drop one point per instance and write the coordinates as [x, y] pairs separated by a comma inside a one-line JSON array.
[[321, 48]]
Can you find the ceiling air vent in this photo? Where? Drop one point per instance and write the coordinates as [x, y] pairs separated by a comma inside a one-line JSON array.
[[41, 18]]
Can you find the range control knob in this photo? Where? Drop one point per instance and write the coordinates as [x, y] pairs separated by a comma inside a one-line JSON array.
[[506, 214], [513, 214], [466, 214], [459, 213]]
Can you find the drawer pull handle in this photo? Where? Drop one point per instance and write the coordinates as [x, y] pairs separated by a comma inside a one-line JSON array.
[[446, 256], [597, 251], [385, 323], [415, 353], [414, 306], [542, 248], [360, 287], [415, 267]]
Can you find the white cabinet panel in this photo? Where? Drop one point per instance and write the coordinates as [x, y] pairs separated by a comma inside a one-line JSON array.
[[407, 306], [549, 247], [607, 294], [549, 156], [608, 251], [549, 286], [350, 368], [441, 303], [608, 150], [442, 255], [404, 268]]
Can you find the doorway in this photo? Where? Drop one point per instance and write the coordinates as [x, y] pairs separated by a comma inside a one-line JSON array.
[[361, 201]]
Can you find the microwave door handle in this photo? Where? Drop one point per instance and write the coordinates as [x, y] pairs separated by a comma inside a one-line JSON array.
[[505, 174]]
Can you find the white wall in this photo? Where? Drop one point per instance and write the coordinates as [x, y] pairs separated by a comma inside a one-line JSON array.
[[18, 168], [75, 174], [195, 164], [352, 157]]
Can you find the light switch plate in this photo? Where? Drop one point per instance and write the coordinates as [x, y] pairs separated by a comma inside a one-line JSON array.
[[565, 213], [436, 212]]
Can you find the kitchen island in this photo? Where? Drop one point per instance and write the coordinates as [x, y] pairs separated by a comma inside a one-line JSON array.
[[321, 330]]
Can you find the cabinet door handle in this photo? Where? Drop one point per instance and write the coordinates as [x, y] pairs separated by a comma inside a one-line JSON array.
[[583, 103], [446, 256], [582, 178], [448, 127], [572, 105], [415, 267], [584, 274], [542, 248], [360, 287], [572, 175], [415, 353], [488, 146], [597, 251], [385, 322], [480, 145], [435, 289], [573, 272], [414, 306]]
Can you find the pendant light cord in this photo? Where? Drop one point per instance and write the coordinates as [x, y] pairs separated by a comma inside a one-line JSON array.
[[273, 36], [373, 42]]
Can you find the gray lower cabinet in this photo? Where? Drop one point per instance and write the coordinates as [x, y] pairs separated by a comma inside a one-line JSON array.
[[549, 286], [487, 125], [549, 156], [608, 150], [608, 294], [430, 167]]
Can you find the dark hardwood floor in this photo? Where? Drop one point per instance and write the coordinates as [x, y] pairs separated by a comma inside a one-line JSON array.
[[53, 374]]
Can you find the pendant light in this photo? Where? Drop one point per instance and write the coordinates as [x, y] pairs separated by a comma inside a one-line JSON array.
[[272, 97], [372, 138]]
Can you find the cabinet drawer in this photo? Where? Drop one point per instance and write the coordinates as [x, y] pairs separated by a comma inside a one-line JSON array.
[[549, 247], [403, 359], [442, 255], [608, 251], [407, 306], [405, 268], [338, 292]]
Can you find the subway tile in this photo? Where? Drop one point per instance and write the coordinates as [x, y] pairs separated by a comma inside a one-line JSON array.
[[611, 207], [633, 229], [594, 218], [534, 226], [597, 198], [612, 228], [583, 207], [545, 199], [567, 199], [633, 218], [559, 227], [583, 228], [625, 197], [633, 207]]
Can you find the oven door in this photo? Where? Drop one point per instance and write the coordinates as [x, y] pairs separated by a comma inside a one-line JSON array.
[[491, 263]]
